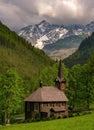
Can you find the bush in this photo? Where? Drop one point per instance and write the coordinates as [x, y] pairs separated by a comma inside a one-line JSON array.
[[13, 119], [52, 116], [37, 117]]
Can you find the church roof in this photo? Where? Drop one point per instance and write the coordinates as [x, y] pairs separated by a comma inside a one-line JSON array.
[[47, 94]]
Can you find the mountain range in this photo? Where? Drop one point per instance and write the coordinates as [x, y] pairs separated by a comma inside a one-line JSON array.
[[53, 38]]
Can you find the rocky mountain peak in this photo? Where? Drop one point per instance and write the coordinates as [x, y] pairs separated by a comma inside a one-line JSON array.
[[45, 33]]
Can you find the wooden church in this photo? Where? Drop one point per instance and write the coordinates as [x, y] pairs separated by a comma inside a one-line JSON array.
[[48, 100]]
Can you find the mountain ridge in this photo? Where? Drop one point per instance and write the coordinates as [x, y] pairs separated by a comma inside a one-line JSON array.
[[45, 33], [47, 37]]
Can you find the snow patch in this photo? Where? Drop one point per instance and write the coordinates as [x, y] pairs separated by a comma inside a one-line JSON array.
[[39, 45], [31, 34], [21, 32], [40, 41]]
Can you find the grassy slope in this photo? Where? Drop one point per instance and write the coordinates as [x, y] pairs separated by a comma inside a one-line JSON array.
[[85, 122]]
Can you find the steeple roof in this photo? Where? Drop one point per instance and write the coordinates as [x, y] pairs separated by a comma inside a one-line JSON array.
[[60, 74]]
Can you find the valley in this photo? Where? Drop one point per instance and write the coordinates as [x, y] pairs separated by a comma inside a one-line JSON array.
[[63, 53], [53, 37], [46, 65]]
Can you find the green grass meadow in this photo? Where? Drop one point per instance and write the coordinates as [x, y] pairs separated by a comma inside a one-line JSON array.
[[85, 122]]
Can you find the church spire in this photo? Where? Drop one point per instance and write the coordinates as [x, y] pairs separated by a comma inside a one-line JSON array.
[[60, 80], [60, 74]]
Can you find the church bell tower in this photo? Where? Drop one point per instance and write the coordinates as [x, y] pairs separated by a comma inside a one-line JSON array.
[[60, 80]]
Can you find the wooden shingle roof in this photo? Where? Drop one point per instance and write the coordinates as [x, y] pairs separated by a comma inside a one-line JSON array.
[[47, 94]]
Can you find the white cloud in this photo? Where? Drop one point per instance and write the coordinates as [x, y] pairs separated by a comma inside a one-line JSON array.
[[18, 13]]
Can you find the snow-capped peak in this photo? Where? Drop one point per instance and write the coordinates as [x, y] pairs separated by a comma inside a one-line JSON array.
[[45, 33]]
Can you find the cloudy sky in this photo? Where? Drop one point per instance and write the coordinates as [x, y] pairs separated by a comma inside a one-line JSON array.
[[19, 13]]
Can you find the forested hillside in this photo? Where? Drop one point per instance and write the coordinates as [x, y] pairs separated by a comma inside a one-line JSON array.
[[22, 66], [83, 53], [18, 54]]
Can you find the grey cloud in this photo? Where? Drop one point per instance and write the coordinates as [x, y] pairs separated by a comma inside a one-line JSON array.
[[19, 13]]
